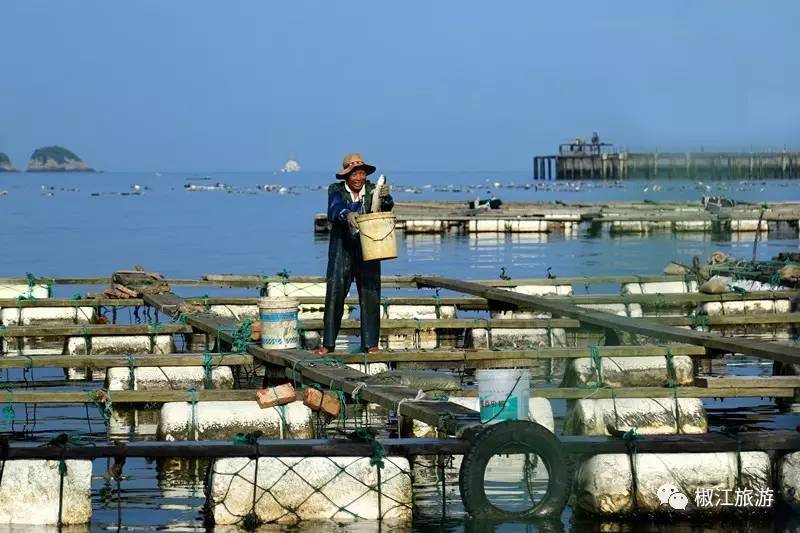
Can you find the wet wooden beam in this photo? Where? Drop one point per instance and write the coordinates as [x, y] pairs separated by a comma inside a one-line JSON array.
[[775, 351], [111, 361], [94, 330]]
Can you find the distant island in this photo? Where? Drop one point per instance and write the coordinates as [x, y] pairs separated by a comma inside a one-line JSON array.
[[56, 159], [5, 164]]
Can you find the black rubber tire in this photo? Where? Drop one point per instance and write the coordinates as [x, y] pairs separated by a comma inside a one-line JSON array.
[[530, 437]]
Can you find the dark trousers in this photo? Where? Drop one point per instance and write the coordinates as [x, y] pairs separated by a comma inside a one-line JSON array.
[[342, 270]]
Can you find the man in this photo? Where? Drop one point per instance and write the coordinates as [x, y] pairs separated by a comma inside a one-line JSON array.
[[346, 199]]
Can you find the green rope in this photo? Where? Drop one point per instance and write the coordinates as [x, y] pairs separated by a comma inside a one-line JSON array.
[[385, 305], [342, 418], [193, 400], [438, 303], [101, 398], [672, 383], [8, 411], [152, 328], [284, 275], [207, 370], [240, 336], [630, 439], [87, 340], [131, 371], [378, 451], [775, 279], [597, 361], [251, 439]]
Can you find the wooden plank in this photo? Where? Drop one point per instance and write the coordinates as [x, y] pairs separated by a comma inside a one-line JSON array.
[[748, 381], [307, 367], [390, 397], [778, 440], [778, 352], [545, 323], [245, 280], [111, 361], [94, 330], [219, 449], [64, 302], [452, 323], [386, 356]]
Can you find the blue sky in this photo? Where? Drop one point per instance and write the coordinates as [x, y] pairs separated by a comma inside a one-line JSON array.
[[446, 85]]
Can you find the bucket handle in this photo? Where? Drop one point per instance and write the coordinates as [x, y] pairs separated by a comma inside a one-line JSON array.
[[394, 223]]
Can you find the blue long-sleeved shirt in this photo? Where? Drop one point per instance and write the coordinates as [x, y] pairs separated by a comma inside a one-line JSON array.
[[340, 202]]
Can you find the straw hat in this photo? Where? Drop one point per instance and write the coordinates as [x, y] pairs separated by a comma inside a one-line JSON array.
[[353, 162]]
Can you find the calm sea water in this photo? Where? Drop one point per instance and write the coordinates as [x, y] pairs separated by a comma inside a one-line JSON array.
[[93, 224]]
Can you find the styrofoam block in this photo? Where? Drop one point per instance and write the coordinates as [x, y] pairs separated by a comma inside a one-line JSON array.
[[539, 411], [692, 225], [29, 493], [422, 312], [533, 290], [424, 226], [659, 287], [424, 339], [650, 416], [603, 483], [749, 225], [643, 371], [789, 478], [224, 419], [237, 312], [116, 345], [510, 338], [165, 378], [14, 291], [371, 368], [27, 316], [348, 489]]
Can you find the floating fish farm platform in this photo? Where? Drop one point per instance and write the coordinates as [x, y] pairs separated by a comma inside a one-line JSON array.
[[633, 367]]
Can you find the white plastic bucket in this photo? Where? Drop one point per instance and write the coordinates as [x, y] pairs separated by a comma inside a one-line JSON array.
[[504, 394], [278, 322], [377, 236]]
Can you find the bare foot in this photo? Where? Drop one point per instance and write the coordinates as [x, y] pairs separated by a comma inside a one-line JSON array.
[[373, 349], [323, 350]]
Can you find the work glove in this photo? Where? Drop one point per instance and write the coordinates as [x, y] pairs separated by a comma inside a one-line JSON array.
[[384, 191], [351, 220]]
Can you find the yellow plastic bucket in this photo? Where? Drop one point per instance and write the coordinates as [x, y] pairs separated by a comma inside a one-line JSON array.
[[377, 236]]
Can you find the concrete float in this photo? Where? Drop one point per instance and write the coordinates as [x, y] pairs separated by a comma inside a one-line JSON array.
[[29, 493], [640, 371], [604, 483], [311, 489], [650, 416], [222, 420], [115, 345]]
